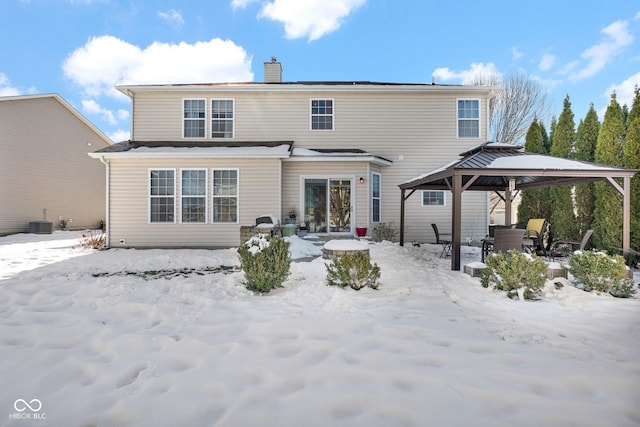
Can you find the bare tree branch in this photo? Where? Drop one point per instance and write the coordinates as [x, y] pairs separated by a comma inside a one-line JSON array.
[[512, 111]]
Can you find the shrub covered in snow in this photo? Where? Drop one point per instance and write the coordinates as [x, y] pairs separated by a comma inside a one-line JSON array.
[[520, 275], [597, 271], [265, 261], [385, 231], [353, 270], [93, 240]]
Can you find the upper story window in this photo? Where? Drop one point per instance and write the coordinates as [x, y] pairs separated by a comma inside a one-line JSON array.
[[222, 118], [468, 118], [322, 114], [433, 198], [162, 195], [194, 117]]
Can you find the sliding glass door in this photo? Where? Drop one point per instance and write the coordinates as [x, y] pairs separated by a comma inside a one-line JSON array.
[[327, 205]]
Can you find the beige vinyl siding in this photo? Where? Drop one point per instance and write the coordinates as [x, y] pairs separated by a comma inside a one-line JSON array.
[[45, 164], [294, 172], [415, 127], [259, 194]]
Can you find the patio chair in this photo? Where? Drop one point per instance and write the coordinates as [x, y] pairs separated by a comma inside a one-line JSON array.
[[487, 242], [508, 238], [446, 244], [538, 231], [566, 247]]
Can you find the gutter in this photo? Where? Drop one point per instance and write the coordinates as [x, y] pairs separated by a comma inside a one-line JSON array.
[[106, 219]]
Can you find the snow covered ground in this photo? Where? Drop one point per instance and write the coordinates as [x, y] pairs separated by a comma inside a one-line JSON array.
[[115, 338]]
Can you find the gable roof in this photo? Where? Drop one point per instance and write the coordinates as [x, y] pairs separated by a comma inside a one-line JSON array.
[[66, 105]]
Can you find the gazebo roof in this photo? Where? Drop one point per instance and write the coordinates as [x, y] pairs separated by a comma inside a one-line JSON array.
[[491, 165]]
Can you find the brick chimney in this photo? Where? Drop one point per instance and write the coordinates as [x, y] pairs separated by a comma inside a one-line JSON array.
[[273, 71]]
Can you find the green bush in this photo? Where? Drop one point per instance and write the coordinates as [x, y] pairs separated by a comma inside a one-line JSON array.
[[265, 261], [512, 271], [354, 271], [597, 271]]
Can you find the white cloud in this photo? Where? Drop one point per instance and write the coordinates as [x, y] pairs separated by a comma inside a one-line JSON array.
[[119, 135], [547, 61], [5, 87], [106, 61], [311, 18], [516, 53], [467, 76], [241, 4], [92, 107], [637, 16], [599, 55], [625, 90], [172, 16]]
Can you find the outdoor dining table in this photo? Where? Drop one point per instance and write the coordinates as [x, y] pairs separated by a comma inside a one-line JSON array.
[[528, 245]]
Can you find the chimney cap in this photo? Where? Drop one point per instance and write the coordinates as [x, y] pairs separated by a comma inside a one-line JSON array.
[[274, 59]]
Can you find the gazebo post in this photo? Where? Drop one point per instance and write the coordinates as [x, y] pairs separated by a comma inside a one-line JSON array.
[[402, 200], [626, 216], [456, 221]]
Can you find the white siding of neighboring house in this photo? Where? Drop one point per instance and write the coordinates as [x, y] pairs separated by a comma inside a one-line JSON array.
[[259, 194], [44, 164], [415, 127]]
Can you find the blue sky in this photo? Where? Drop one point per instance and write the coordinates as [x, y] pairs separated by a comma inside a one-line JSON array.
[[82, 48]]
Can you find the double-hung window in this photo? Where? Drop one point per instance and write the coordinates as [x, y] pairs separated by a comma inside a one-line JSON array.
[[375, 197], [222, 118], [225, 195], [193, 114], [468, 118], [433, 198], [162, 200], [322, 114], [194, 195]]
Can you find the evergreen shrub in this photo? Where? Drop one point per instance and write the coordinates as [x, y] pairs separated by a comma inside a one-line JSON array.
[[516, 273], [597, 271], [353, 270], [265, 261], [384, 231]]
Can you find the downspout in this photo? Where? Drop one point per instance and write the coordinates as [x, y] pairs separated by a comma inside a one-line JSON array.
[[106, 220]]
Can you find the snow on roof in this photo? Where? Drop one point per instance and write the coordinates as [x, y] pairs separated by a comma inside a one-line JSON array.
[[538, 161]]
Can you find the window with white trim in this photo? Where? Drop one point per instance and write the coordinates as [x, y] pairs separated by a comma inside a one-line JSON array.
[[162, 200], [433, 198], [375, 197], [225, 195], [193, 114], [222, 118], [322, 114], [468, 118], [193, 195]]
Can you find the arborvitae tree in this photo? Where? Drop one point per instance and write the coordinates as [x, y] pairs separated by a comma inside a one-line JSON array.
[[562, 218], [607, 215], [585, 150], [546, 140], [552, 129], [535, 201], [632, 161]]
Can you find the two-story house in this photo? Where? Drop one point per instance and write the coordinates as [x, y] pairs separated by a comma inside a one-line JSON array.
[[204, 159], [45, 173]]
